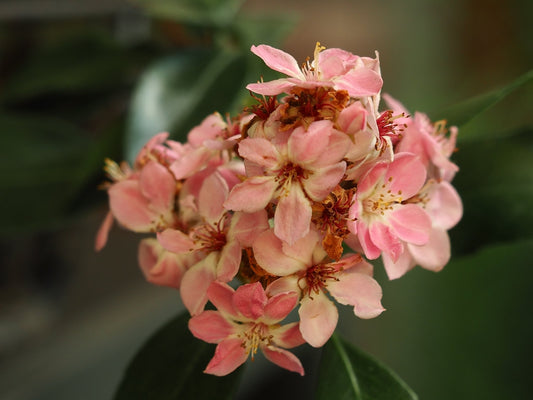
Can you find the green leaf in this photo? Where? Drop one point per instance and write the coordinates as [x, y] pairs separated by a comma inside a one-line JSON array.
[[462, 113], [346, 373], [169, 366], [495, 182], [178, 92]]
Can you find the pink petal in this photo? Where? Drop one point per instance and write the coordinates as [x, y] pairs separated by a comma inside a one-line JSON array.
[[158, 185], [195, 283], [230, 259], [246, 227], [360, 82], [283, 358], [272, 88], [250, 300], [293, 215], [221, 295], [130, 207], [251, 195], [288, 336], [338, 146], [372, 177], [229, 355], [435, 254], [397, 269], [320, 184], [212, 126], [410, 223], [160, 267], [212, 195], [318, 319], [359, 290], [191, 162], [382, 236], [282, 285], [303, 249], [259, 151], [278, 60], [103, 232], [175, 241], [370, 249], [268, 252], [444, 206], [353, 118], [279, 306], [406, 174], [210, 326], [306, 145]]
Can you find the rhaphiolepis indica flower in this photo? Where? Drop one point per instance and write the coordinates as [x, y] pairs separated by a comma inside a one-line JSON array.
[[270, 199]]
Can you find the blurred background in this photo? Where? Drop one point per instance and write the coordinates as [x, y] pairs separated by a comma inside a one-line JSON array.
[[85, 80]]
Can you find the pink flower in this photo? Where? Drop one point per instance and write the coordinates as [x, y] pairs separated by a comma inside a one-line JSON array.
[[380, 218], [216, 237], [428, 141], [248, 320], [443, 206], [334, 68], [291, 175], [304, 269]]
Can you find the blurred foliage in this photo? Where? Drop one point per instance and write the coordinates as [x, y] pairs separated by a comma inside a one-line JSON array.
[[72, 94]]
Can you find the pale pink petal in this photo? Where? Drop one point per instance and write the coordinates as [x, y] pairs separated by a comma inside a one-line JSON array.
[[195, 283], [444, 206], [158, 185], [318, 319], [371, 178], [283, 358], [229, 355], [382, 236], [130, 207], [322, 181], [221, 295], [250, 300], [307, 144], [397, 269], [247, 226], [283, 285], [435, 254], [370, 249], [287, 336], [406, 175], [303, 249], [175, 241], [337, 147], [160, 267], [259, 151], [191, 162], [268, 252], [251, 195], [103, 232], [278, 60], [353, 118], [410, 223], [359, 290], [230, 259], [271, 88], [212, 195], [279, 306], [210, 326], [360, 82], [293, 215], [212, 126]]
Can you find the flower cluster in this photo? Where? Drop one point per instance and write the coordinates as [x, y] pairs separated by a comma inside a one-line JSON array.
[[268, 202]]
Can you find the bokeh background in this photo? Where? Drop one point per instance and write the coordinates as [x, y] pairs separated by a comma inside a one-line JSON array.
[[85, 80]]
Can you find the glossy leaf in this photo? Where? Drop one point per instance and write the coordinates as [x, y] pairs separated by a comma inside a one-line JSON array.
[[346, 373], [462, 113], [178, 92], [169, 367]]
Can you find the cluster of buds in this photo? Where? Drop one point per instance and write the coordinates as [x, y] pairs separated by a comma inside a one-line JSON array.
[[254, 213]]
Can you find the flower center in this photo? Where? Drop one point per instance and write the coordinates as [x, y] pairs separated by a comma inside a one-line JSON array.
[[316, 278], [382, 200], [288, 173], [256, 335], [211, 237]]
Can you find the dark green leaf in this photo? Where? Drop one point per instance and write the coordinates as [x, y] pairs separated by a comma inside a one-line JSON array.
[[495, 182], [169, 367], [178, 92], [346, 373], [462, 113]]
